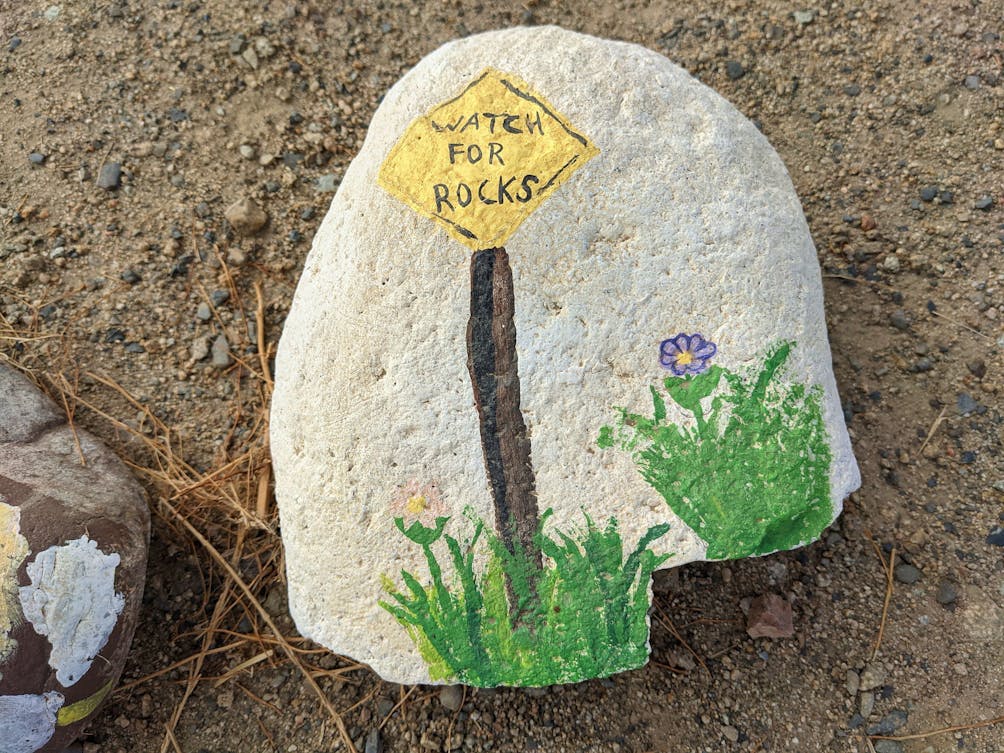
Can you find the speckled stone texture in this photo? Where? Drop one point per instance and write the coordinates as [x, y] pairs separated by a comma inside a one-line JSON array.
[[686, 220], [74, 532]]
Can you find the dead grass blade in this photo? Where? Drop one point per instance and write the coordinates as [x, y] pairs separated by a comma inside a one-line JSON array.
[[942, 730], [266, 618]]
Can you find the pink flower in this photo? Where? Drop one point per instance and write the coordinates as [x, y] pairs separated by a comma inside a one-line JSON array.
[[416, 501]]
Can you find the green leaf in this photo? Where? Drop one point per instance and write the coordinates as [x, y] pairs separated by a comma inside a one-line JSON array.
[[660, 405], [689, 391], [420, 534]]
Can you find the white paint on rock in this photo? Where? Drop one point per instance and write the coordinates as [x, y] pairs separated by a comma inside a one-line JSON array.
[[13, 551], [687, 220], [72, 600], [27, 722]]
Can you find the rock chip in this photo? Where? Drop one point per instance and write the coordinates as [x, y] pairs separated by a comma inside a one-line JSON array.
[[872, 676], [73, 547], [770, 617], [948, 593], [450, 357], [221, 352], [906, 573], [110, 176], [246, 217]]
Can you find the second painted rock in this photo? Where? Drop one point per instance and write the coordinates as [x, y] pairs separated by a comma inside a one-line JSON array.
[[74, 530], [561, 327]]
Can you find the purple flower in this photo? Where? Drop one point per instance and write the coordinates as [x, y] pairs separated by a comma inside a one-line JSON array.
[[686, 354]]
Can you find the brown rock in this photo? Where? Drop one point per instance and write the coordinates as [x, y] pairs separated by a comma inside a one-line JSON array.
[[868, 222], [73, 548], [246, 217], [769, 617]]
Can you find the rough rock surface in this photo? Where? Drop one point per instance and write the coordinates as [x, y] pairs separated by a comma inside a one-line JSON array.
[[74, 540], [685, 222]]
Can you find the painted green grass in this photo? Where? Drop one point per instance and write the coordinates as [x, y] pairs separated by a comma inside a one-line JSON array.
[[751, 476], [584, 617]]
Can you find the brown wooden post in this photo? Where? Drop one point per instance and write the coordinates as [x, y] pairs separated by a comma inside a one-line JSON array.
[[491, 359]]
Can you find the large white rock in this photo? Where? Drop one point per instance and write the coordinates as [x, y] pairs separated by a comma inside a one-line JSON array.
[[685, 222]]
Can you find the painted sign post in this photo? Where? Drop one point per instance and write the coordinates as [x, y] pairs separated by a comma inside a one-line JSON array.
[[479, 164]]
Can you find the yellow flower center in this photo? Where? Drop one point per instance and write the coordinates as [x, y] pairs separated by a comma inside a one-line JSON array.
[[416, 504], [685, 358]]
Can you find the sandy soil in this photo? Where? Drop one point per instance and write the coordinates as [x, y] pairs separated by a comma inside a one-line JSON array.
[[869, 104]]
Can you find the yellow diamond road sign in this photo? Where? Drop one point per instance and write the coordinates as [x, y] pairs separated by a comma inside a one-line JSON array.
[[480, 163]]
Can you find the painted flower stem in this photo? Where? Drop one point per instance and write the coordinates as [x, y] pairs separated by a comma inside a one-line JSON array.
[[491, 349]]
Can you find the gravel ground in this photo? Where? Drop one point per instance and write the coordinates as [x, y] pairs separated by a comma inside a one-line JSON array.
[[128, 128]]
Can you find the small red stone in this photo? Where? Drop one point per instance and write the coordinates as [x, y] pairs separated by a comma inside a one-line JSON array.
[[770, 617]]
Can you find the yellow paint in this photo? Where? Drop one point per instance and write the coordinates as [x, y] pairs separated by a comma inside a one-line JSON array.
[[82, 709], [417, 504], [481, 163], [685, 358], [13, 550]]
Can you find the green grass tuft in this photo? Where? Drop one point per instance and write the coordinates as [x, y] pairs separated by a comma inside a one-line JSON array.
[[751, 476], [585, 617]]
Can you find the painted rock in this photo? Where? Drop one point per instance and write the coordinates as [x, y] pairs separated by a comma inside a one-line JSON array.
[[561, 327], [74, 530]]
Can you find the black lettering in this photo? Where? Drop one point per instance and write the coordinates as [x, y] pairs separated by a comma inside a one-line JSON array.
[[448, 127], [472, 122], [525, 193], [503, 190], [463, 188], [441, 192], [474, 153], [491, 121], [481, 193], [494, 152], [536, 121], [510, 119], [455, 149]]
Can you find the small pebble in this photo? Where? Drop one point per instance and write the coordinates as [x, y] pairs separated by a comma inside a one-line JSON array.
[[996, 536], [966, 403], [203, 313], [852, 90], [327, 183], [906, 573], [36, 158], [373, 742], [221, 352], [947, 593], [972, 82], [452, 697], [731, 733], [872, 676], [200, 349], [853, 682], [734, 70], [900, 320], [977, 367], [246, 217], [110, 175], [928, 193], [866, 704], [889, 723], [984, 202], [887, 746], [247, 151], [219, 297], [131, 276]]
